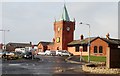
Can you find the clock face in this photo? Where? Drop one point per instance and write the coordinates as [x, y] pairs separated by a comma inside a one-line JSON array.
[[68, 28]]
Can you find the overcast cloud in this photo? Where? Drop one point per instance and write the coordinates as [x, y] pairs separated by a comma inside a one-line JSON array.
[[33, 21]]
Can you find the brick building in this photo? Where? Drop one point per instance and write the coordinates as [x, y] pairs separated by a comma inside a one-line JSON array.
[[98, 46], [12, 46], [43, 46], [63, 33]]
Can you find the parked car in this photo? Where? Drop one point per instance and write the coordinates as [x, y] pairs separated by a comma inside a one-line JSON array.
[[1, 54], [41, 53], [9, 55], [19, 54], [28, 55], [47, 52], [53, 53], [63, 53]]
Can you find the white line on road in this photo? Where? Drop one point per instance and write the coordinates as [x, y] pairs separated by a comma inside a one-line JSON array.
[[14, 64]]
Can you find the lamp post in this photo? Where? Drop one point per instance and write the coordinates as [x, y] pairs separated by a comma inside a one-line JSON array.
[[88, 42], [4, 37]]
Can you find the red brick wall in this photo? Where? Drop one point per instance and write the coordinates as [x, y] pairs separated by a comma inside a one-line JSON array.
[[98, 42], [72, 50], [40, 46], [51, 47], [10, 48], [65, 36]]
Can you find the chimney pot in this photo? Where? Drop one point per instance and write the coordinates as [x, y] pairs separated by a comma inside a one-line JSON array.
[[81, 37], [108, 36]]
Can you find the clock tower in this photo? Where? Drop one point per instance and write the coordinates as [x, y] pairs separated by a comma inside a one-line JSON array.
[[64, 31]]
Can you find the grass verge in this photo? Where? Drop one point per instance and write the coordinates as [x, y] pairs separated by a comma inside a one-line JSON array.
[[95, 58]]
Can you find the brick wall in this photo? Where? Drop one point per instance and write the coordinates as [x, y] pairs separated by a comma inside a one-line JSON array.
[[51, 47], [65, 36], [72, 50], [98, 42], [41, 48]]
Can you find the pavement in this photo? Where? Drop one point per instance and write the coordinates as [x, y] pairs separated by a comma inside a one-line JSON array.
[[74, 59]]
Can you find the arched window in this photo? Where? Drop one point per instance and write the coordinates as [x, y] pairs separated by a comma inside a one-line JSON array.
[[95, 49], [100, 49], [77, 49]]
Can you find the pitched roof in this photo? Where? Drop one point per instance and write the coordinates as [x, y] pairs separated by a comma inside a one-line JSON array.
[[65, 16], [19, 44], [81, 42], [85, 41], [112, 41], [45, 43]]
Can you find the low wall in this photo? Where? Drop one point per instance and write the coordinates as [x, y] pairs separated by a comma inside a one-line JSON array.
[[100, 70]]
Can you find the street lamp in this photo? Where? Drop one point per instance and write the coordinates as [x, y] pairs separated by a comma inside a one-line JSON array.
[[4, 37], [88, 42]]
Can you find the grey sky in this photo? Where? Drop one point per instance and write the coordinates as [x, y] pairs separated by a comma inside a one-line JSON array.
[[33, 21]]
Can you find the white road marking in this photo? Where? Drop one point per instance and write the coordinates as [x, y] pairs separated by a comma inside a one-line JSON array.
[[14, 64]]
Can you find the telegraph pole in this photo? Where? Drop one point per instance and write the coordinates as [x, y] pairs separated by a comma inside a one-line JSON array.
[[4, 45]]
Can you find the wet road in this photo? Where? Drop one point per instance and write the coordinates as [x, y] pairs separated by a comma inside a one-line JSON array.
[[47, 66]]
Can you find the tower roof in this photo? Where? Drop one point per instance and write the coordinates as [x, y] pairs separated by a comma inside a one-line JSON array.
[[65, 15]]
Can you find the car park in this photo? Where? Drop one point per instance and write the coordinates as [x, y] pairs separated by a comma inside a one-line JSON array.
[[28, 55], [63, 53]]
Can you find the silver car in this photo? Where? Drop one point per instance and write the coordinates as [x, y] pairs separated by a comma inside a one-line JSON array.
[[63, 53]]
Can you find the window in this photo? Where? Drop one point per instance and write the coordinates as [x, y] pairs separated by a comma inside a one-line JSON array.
[[100, 49], [77, 49], [95, 49], [58, 39], [84, 48]]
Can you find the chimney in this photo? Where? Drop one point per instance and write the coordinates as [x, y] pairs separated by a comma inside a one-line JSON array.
[[81, 37], [108, 36]]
